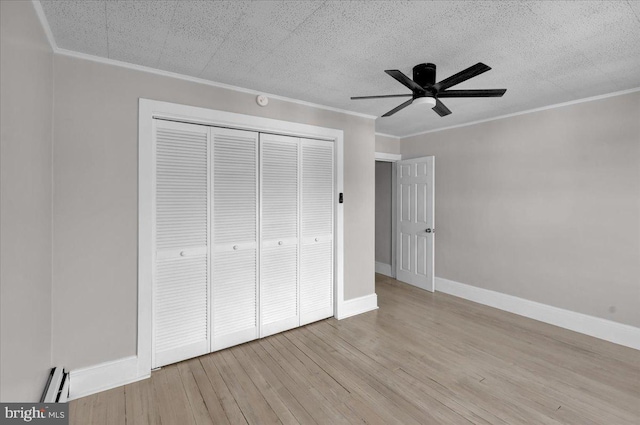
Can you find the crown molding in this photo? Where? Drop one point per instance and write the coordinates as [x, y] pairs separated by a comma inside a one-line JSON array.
[[47, 29], [202, 81], [107, 61], [387, 135], [45, 24], [528, 111]]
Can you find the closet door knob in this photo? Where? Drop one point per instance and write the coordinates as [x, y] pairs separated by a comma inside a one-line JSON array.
[[235, 247], [182, 253], [279, 242], [317, 239]]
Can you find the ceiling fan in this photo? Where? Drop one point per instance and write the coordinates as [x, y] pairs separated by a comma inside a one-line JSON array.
[[425, 90]]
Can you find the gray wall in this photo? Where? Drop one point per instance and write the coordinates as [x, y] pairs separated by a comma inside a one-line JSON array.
[[95, 199], [387, 144], [543, 206], [26, 84], [383, 212]]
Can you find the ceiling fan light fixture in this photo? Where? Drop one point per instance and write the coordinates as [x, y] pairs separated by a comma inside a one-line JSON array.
[[425, 100]]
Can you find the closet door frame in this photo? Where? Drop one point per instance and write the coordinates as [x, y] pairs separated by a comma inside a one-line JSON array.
[[150, 109]]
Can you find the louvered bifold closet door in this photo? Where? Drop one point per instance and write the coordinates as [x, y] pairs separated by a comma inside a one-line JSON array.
[[279, 233], [235, 236], [181, 277], [317, 204]]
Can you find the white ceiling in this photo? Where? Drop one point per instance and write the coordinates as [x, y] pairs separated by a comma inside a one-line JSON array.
[[323, 52]]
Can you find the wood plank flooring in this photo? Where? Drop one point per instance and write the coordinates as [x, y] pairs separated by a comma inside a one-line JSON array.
[[421, 358]]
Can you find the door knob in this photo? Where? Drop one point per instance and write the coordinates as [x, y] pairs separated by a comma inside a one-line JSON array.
[[431, 230], [235, 247], [279, 242]]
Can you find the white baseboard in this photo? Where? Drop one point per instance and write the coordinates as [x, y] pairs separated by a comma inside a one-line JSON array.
[[357, 306], [615, 332], [383, 268], [104, 376], [108, 375]]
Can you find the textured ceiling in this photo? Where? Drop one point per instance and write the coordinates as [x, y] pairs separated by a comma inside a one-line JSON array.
[[543, 52]]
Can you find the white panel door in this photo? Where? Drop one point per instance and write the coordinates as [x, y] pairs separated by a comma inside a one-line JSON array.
[[235, 231], [415, 206], [316, 230], [279, 233], [181, 227]]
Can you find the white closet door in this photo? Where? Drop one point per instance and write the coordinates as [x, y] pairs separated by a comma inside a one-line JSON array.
[[235, 231], [279, 233], [317, 202], [181, 277]]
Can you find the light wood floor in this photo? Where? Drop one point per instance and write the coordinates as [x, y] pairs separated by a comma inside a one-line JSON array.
[[421, 358]]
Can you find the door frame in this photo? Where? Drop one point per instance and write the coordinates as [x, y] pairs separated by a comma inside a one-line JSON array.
[[150, 109], [393, 158]]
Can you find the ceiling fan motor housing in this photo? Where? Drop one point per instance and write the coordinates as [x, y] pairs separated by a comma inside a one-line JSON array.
[[424, 75]]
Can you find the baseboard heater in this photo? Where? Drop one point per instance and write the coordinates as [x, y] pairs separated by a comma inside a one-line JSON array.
[[57, 388]]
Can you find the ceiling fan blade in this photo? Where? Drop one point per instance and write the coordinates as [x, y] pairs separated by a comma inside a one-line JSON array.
[[404, 80], [473, 93], [380, 96], [397, 108], [441, 109], [461, 76]]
